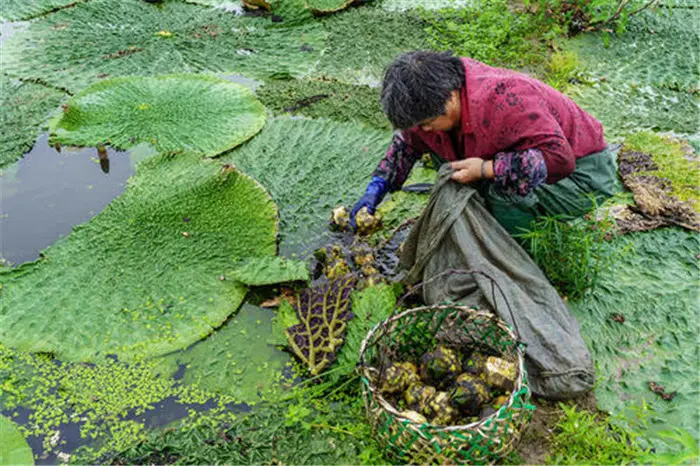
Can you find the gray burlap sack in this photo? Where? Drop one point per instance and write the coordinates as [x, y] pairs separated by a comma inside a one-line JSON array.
[[456, 232]]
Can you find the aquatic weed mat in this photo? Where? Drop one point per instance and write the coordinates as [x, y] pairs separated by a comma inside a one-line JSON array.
[[73, 48], [310, 167], [198, 114], [640, 323], [384, 35], [16, 10], [310, 432], [648, 77], [143, 277], [24, 108], [330, 99]]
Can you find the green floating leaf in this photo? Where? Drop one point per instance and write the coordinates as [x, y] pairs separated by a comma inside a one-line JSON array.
[[17, 10], [404, 5], [328, 6], [384, 36], [369, 306], [235, 360], [325, 99], [270, 270], [142, 278], [310, 167], [647, 78], [654, 287], [24, 108], [196, 114], [73, 48], [14, 450]]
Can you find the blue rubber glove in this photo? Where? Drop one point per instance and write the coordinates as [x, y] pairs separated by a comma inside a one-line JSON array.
[[376, 190]]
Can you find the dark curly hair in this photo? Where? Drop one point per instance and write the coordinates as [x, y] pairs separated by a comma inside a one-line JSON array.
[[417, 85]]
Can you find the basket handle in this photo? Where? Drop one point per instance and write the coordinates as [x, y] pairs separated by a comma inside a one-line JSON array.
[[494, 284]]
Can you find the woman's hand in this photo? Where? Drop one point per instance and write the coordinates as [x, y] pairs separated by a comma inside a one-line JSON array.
[[470, 170]]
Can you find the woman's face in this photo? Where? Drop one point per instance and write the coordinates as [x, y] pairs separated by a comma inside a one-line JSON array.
[[448, 120]]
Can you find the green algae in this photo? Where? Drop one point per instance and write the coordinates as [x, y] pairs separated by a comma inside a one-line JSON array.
[[14, 450], [654, 288], [142, 278], [197, 114], [384, 36], [325, 99], [24, 108], [671, 157], [310, 167], [61, 51], [236, 360]]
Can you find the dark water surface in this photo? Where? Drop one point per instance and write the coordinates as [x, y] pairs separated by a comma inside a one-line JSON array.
[[47, 193]]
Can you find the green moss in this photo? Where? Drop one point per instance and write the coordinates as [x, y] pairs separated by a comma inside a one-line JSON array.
[[325, 99], [672, 159], [24, 108], [142, 278]]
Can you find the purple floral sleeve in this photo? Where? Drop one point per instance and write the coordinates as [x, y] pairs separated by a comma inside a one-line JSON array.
[[519, 173], [397, 163]]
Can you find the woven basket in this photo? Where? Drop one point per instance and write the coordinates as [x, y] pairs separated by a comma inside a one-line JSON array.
[[407, 336]]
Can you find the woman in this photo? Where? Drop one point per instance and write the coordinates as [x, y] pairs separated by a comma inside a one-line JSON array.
[[531, 149]]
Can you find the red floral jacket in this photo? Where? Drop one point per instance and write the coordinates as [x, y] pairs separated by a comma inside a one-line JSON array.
[[504, 113]]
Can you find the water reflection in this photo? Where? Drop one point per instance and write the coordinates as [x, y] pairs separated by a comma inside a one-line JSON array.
[[48, 192]]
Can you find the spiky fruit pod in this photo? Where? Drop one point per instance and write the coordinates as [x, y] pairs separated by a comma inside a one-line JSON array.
[[399, 377]]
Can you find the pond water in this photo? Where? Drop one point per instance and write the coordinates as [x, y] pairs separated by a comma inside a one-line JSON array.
[[47, 193]]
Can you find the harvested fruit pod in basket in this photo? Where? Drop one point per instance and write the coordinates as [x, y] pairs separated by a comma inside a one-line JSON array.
[[409, 436]]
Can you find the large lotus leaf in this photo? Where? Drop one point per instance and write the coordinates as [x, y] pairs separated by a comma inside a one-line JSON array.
[[270, 270], [14, 450], [404, 5], [142, 278], [236, 360], [325, 99], [623, 107], [653, 286], [328, 6], [197, 114], [24, 108], [15, 10], [384, 36], [323, 313], [310, 167], [661, 49], [103, 38]]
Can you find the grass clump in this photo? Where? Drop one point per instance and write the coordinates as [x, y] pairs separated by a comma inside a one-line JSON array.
[[671, 156], [325, 99], [564, 68], [582, 437], [570, 253], [490, 32]]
